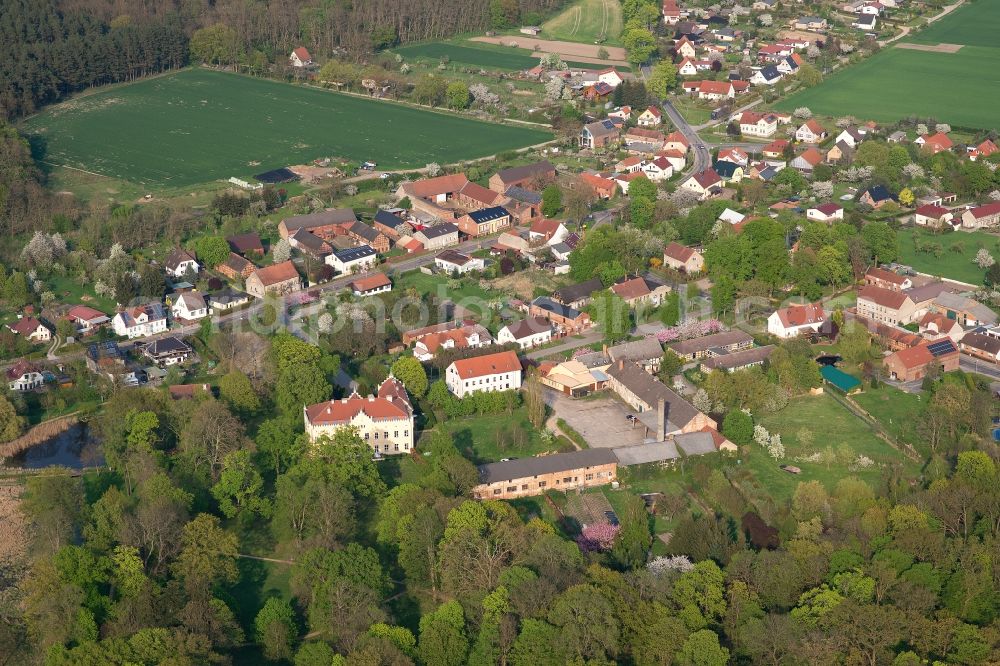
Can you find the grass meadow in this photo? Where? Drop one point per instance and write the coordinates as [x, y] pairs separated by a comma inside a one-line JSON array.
[[957, 255], [587, 21], [199, 125], [479, 54]]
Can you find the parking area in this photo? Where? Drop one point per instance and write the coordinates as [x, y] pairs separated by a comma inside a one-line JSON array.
[[601, 421]]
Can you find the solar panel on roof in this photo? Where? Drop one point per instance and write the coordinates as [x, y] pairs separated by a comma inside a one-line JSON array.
[[941, 347]]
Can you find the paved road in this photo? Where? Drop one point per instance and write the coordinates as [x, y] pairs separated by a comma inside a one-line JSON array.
[[972, 364], [572, 343], [702, 157]]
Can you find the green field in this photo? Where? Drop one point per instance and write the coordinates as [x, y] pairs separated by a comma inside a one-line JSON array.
[[961, 88], [958, 250], [973, 24], [587, 21], [481, 55], [199, 125]]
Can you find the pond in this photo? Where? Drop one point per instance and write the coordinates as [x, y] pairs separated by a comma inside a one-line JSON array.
[[75, 448], [828, 359]]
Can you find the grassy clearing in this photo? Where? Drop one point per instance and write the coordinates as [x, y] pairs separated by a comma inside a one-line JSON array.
[[832, 427], [898, 411], [444, 286], [587, 21], [958, 250], [898, 83], [478, 54], [492, 437], [200, 125], [975, 24]]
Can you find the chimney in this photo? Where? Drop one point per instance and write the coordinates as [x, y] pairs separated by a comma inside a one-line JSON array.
[[661, 420], [621, 364], [604, 348]]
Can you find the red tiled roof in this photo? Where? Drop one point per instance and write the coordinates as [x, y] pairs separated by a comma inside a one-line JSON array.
[[678, 137], [21, 368], [715, 87], [25, 326], [429, 187], [655, 111], [631, 289], [371, 282], [545, 227], [479, 193], [678, 252], [801, 315], [303, 54], [707, 178], [828, 208], [597, 182], [776, 146], [491, 364], [885, 276], [932, 210], [814, 126], [941, 141], [84, 313], [277, 273], [986, 210], [887, 298], [812, 156]]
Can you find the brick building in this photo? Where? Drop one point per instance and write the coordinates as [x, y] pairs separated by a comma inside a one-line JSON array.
[[526, 477]]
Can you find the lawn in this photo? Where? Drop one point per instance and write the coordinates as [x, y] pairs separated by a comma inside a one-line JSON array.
[[956, 258], [463, 289], [587, 21], [492, 437], [899, 83], [833, 428], [199, 125], [481, 55], [975, 24], [898, 411]]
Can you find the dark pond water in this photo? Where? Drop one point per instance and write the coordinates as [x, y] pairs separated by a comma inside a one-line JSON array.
[[829, 359], [75, 448]]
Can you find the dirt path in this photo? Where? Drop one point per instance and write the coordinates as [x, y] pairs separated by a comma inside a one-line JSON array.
[[939, 48], [616, 54], [905, 30], [13, 530]]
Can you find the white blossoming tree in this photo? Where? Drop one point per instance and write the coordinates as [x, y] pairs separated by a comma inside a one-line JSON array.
[[803, 113], [281, 251], [984, 259]]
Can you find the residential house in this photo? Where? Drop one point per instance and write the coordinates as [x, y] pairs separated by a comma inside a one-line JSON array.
[[24, 376], [987, 215], [935, 325], [716, 344], [898, 136], [885, 305], [474, 196], [686, 67], [981, 345], [523, 176], [867, 22], [796, 320], [246, 244], [968, 312], [527, 333], [827, 212], [140, 321], [603, 188], [685, 48], [391, 225], [630, 164], [567, 320], [300, 57], [31, 329], [641, 291], [189, 306], [453, 261], [810, 132], [236, 267], [548, 231], [623, 113], [651, 117], [644, 141], [808, 160], [879, 277], [852, 136], [484, 222], [936, 143], [766, 76], [810, 23], [762, 125], [527, 477], [492, 372], [671, 13], [379, 283], [277, 280], [712, 90], [677, 141], [364, 234], [351, 260], [683, 259], [179, 263], [438, 236], [840, 151], [876, 197], [598, 134], [525, 206], [933, 216], [578, 295], [728, 172], [913, 364], [659, 169], [454, 335], [428, 195], [572, 378], [662, 411], [167, 351], [384, 420], [326, 224], [776, 149], [985, 149], [623, 181], [704, 183], [790, 65], [226, 299], [87, 320], [610, 76], [647, 353]]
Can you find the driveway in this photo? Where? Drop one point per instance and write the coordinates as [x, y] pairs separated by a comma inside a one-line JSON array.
[[601, 421]]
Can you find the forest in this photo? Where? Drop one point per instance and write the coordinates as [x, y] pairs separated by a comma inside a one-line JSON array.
[[51, 48]]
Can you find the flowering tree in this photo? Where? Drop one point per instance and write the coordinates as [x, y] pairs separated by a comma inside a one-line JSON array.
[[597, 538], [822, 189], [913, 171], [281, 251], [944, 128], [984, 259], [702, 401], [803, 113], [433, 169], [921, 128], [554, 89], [661, 565], [689, 329], [765, 20]]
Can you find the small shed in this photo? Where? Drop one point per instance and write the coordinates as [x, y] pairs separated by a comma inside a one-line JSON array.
[[840, 379]]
